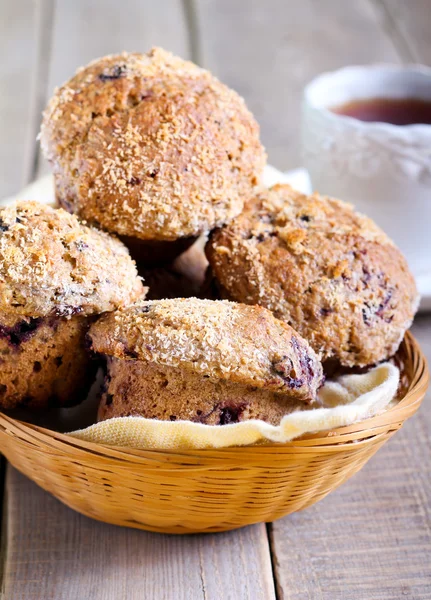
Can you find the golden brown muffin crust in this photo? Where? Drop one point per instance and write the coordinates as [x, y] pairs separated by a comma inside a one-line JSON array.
[[217, 339], [44, 361], [52, 264], [328, 271], [151, 146]]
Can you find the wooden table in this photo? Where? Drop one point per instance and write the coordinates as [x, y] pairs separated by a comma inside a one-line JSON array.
[[369, 540]]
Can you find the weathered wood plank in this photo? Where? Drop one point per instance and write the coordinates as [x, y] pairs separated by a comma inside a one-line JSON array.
[[372, 537], [369, 539], [19, 46], [409, 25], [268, 51], [85, 30], [55, 553], [2, 522]]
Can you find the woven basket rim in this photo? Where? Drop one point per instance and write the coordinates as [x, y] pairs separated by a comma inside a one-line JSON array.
[[359, 433]]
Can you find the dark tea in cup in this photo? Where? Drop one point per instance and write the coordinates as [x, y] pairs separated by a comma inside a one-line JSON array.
[[397, 111], [379, 160]]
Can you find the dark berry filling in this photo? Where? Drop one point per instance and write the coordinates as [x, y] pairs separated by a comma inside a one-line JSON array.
[[366, 314], [228, 413], [379, 311], [202, 418], [304, 360], [383, 305], [231, 414], [117, 72], [285, 370], [367, 276], [68, 311], [80, 246], [108, 399], [68, 206], [130, 353], [266, 235], [37, 366], [266, 218], [21, 332]]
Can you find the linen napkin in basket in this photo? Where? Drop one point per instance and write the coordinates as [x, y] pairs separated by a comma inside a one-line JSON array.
[[344, 400]]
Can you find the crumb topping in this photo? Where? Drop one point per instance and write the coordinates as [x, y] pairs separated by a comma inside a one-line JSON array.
[[325, 269], [151, 146], [217, 339], [50, 263]]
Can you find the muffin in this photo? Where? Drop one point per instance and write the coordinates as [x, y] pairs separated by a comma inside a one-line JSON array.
[[318, 265], [56, 275], [152, 148], [166, 282], [213, 362], [184, 278]]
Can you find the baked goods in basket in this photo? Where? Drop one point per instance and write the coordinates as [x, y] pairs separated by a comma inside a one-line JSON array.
[[153, 148], [213, 362], [325, 269], [55, 276], [184, 278]]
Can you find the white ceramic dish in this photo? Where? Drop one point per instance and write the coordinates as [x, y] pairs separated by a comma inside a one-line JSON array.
[[383, 169]]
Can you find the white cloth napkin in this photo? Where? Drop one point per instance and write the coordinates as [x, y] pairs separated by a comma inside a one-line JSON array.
[[346, 400]]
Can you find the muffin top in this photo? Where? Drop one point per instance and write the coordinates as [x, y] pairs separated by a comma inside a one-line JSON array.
[[151, 146], [325, 269], [51, 264], [218, 339]]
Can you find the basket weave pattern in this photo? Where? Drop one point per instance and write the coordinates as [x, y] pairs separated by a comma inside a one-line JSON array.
[[205, 490]]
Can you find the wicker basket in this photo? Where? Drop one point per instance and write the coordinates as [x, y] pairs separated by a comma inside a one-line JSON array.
[[206, 490]]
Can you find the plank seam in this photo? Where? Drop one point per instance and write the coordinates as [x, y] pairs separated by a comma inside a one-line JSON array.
[[389, 24], [45, 30], [3, 528], [192, 25], [202, 576], [278, 591]]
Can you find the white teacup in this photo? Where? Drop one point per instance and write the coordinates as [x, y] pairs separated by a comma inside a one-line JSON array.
[[383, 169]]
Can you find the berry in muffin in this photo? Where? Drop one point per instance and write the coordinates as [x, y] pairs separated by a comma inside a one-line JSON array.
[[325, 269], [152, 148], [56, 275], [213, 362]]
